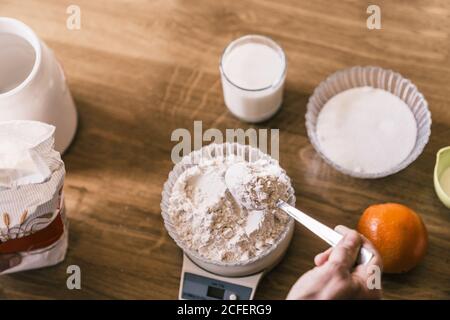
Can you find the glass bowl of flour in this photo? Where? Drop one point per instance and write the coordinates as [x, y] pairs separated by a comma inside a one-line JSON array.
[[368, 122], [211, 227]]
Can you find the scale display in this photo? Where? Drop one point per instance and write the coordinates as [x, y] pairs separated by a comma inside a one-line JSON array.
[[198, 284], [203, 288]]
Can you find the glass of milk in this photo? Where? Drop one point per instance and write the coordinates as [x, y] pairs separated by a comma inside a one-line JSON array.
[[253, 70]]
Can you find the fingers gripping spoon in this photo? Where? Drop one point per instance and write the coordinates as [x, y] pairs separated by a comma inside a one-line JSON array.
[[326, 233], [234, 179]]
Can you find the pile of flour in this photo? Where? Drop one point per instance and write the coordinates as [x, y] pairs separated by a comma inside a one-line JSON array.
[[210, 221]]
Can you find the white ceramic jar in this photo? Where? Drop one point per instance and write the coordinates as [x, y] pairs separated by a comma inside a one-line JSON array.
[[32, 83], [253, 70]]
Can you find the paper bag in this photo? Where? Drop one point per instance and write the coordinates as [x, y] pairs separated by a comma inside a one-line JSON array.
[[32, 217]]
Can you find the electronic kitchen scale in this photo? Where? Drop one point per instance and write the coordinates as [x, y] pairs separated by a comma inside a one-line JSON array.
[[199, 284], [203, 280]]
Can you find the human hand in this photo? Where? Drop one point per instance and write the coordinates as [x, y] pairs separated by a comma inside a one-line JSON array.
[[8, 261], [335, 275]]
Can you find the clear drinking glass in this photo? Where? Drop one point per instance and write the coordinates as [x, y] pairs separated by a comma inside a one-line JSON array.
[[253, 104]]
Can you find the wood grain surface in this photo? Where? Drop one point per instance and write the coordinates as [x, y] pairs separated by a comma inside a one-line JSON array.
[[140, 69]]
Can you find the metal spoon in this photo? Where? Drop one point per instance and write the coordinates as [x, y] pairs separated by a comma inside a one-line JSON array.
[[233, 179]]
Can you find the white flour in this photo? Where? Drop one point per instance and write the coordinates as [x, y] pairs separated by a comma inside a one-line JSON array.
[[366, 130], [209, 220], [257, 186]]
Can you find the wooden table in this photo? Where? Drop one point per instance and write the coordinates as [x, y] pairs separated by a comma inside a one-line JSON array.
[[140, 69]]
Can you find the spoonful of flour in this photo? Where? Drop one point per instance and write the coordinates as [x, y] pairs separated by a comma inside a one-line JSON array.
[[222, 224], [257, 187]]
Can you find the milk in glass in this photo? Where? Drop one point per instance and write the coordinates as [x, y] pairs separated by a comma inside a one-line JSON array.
[[253, 71]]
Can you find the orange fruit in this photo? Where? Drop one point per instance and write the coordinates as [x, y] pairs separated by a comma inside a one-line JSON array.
[[397, 232]]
